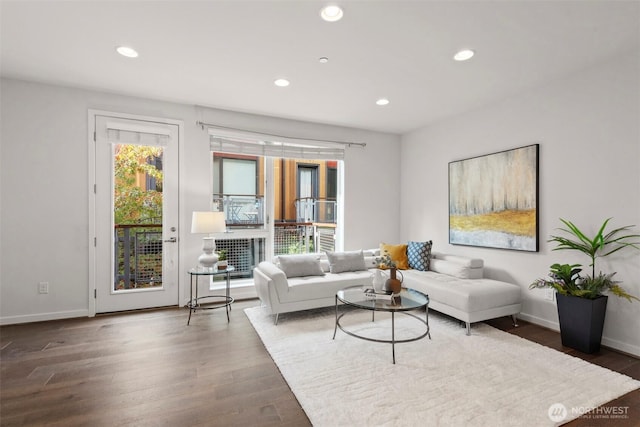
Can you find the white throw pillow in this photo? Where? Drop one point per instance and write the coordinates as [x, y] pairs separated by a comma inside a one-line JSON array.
[[339, 262], [300, 265]]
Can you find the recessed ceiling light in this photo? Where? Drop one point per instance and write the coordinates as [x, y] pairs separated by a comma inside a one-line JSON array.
[[281, 82], [464, 55], [323, 60], [382, 101], [331, 13], [129, 52]]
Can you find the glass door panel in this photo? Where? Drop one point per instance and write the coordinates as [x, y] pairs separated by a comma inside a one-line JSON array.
[[136, 164], [137, 213]]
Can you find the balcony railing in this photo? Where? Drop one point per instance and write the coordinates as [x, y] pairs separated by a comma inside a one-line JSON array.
[[309, 209], [138, 248], [138, 255], [304, 237], [248, 210], [240, 209]]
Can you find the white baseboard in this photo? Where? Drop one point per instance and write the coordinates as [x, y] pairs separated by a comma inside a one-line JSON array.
[[608, 342], [539, 321], [42, 317], [631, 349]]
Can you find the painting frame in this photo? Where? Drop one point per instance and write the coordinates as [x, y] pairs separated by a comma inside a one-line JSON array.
[[493, 200]]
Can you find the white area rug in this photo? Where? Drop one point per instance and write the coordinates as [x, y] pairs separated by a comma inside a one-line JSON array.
[[490, 378]]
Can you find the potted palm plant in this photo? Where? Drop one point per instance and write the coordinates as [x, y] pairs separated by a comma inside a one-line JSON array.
[[580, 299]]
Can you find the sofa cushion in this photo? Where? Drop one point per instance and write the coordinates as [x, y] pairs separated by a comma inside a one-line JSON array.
[[300, 265], [455, 269], [419, 255], [314, 287], [468, 262], [466, 295], [340, 262], [398, 254]]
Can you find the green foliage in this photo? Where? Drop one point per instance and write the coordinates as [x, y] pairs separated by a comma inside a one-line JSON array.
[[385, 261], [222, 255], [563, 278], [298, 247], [133, 204], [594, 286], [566, 279], [600, 245]]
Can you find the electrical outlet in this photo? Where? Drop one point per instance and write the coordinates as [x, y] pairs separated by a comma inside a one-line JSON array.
[[549, 294], [43, 287]]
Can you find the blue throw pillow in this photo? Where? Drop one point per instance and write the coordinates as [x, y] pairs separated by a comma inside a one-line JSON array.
[[419, 255]]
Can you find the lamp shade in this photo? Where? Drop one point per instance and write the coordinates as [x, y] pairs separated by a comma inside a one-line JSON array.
[[208, 222]]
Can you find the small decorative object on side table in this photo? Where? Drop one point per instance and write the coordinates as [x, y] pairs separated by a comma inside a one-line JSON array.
[[222, 259], [194, 300]]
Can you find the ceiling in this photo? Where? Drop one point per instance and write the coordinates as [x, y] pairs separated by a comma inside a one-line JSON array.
[[227, 54]]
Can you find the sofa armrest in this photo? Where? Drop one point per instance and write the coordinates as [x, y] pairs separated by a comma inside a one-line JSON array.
[[262, 284], [274, 273], [270, 281]]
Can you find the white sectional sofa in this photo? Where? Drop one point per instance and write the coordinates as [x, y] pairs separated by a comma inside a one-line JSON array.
[[455, 285]]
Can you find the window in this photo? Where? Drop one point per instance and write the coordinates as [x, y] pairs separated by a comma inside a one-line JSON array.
[[307, 181], [307, 184], [329, 212], [281, 198], [332, 180], [238, 190]]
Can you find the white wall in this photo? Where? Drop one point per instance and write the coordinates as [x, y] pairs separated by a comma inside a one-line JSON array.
[[588, 128], [44, 188]]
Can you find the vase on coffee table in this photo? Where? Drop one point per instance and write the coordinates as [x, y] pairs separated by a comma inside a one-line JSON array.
[[393, 284]]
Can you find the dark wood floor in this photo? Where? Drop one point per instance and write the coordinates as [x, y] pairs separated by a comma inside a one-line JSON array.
[[150, 368]]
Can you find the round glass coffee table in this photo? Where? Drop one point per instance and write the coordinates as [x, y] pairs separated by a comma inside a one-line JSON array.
[[408, 300]]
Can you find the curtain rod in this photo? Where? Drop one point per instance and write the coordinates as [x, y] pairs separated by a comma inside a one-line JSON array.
[[347, 143]]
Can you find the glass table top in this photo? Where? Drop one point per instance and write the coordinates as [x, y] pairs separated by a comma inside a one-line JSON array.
[[409, 299], [203, 271]]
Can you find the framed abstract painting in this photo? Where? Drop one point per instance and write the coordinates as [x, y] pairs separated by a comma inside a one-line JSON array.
[[493, 200]]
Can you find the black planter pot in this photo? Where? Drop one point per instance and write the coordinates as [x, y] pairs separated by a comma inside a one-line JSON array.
[[581, 321]]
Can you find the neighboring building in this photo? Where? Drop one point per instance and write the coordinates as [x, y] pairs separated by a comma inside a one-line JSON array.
[[304, 190]]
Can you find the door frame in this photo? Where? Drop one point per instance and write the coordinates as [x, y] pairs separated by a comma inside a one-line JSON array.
[[91, 135]]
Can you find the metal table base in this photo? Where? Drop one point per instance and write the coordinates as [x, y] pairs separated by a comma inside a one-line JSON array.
[[195, 301]]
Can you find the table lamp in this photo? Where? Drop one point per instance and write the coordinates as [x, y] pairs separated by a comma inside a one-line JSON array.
[[207, 223]]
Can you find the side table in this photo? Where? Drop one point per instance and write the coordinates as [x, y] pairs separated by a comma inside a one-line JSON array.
[[194, 301]]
